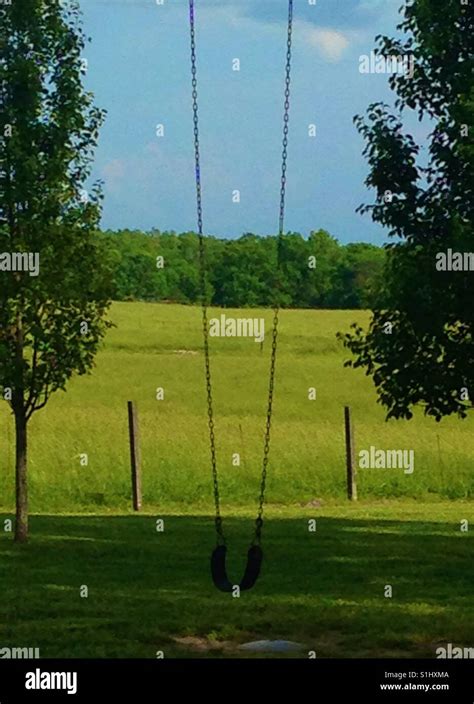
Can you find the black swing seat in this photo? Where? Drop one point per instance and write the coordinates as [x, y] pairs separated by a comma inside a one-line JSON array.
[[219, 572]]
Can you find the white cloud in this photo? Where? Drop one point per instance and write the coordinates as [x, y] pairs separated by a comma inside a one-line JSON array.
[[330, 43]]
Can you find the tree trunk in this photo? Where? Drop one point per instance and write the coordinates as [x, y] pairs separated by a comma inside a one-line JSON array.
[[21, 526], [21, 479]]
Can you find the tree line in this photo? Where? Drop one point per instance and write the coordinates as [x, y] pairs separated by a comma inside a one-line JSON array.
[[314, 272]]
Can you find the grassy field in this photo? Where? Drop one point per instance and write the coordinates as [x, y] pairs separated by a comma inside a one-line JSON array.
[[160, 346], [151, 591]]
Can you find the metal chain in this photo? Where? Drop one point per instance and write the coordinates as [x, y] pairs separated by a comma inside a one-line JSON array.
[[286, 119], [203, 280], [271, 385]]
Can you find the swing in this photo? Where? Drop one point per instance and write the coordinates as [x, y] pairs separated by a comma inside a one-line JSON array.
[[255, 553]]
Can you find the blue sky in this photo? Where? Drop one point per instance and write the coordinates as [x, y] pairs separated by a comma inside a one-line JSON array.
[[139, 71]]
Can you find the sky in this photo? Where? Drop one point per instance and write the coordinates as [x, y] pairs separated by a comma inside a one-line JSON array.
[[139, 70]]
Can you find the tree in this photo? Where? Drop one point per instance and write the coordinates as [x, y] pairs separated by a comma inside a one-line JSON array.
[[50, 324], [359, 277], [245, 274], [419, 348], [321, 280]]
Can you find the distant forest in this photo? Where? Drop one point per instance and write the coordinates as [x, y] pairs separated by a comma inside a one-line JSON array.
[[316, 272]]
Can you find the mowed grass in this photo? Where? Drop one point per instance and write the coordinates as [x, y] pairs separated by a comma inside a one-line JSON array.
[[151, 591], [157, 345]]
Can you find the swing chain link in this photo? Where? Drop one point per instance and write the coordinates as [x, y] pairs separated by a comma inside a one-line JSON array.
[[271, 385], [203, 283], [266, 448], [286, 120]]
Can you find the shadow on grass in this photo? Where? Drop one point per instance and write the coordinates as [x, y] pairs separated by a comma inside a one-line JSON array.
[[324, 589]]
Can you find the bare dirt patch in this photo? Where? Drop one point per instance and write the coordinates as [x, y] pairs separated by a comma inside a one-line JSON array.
[[204, 645]]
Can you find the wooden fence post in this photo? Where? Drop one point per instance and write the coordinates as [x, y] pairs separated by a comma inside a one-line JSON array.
[[135, 457], [350, 456]]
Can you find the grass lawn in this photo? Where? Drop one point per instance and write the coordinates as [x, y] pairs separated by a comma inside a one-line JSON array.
[[151, 591], [160, 346]]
